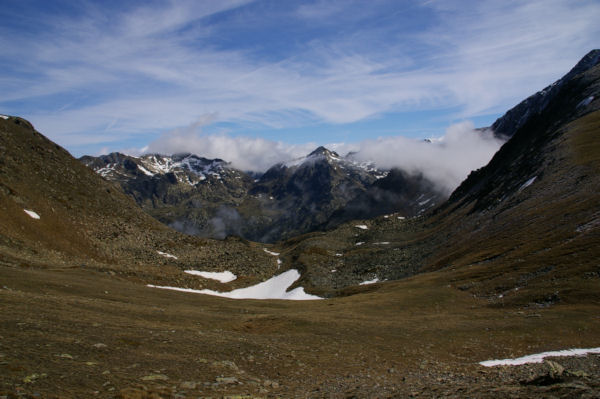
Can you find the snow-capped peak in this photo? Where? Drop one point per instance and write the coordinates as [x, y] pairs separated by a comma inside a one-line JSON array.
[[159, 164], [321, 153]]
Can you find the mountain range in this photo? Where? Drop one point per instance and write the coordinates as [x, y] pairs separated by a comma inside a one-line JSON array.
[[210, 198]]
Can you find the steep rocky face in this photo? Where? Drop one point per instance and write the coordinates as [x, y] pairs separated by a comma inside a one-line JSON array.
[[398, 192], [307, 191], [183, 191], [507, 125], [525, 156], [210, 198]]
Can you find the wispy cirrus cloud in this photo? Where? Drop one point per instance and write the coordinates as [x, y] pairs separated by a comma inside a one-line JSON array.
[[98, 76]]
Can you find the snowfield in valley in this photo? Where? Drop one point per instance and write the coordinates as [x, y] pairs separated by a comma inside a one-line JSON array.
[[274, 288]]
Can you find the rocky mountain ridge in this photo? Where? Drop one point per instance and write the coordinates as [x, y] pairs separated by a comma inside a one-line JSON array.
[[211, 198], [506, 126]]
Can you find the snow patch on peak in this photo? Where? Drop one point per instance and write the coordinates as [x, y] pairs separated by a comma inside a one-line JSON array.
[[107, 170], [158, 164], [145, 171]]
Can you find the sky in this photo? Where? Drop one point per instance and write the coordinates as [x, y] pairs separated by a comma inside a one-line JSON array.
[[254, 82]]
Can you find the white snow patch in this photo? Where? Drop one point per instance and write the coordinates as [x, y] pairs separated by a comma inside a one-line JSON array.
[[339, 254], [166, 255], [539, 357], [401, 218], [527, 183], [382, 243], [586, 102], [424, 202], [274, 288], [32, 214], [224, 277], [105, 171], [375, 280], [278, 263], [333, 270], [270, 252], [4, 116], [145, 171], [359, 243], [361, 226]]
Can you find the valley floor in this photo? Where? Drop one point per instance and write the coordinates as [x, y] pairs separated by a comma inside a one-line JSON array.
[[74, 333]]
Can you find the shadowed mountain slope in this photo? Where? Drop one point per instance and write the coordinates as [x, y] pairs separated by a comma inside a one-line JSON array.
[[507, 125], [85, 221]]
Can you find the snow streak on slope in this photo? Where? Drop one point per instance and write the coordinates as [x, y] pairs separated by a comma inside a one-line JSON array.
[[166, 255], [223, 277], [32, 214], [539, 357], [271, 252], [375, 280]]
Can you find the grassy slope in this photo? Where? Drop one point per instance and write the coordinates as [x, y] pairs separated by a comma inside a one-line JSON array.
[[418, 335], [88, 222]]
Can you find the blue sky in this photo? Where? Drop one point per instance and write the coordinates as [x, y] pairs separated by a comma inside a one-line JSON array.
[[100, 76]]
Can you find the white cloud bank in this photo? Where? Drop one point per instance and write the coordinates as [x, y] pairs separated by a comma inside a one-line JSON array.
[[446, 161], [246, 153]]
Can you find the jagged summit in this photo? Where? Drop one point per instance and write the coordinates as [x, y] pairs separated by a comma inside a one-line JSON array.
[[322, 151], [588, 61], [208, 197], [319, 154], [185, 167], [506, 126]]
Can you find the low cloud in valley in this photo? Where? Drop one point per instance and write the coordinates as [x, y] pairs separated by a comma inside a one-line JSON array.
[[446, 160]]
